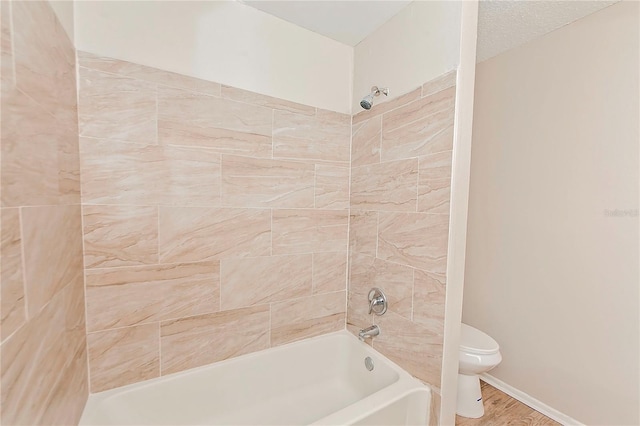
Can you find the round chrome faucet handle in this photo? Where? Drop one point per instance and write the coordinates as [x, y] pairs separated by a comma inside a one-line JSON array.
[[377, 301]]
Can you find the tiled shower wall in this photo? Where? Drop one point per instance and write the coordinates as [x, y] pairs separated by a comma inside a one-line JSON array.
[[43, 350], [215, 220], [400, 189]]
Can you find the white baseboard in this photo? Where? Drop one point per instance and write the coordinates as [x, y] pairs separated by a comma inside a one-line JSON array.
[[530, 401]]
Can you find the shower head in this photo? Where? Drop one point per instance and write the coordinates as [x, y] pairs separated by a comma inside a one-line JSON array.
[[367, 101]]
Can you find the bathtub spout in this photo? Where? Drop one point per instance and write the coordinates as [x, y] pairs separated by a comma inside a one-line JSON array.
[[369, 332]]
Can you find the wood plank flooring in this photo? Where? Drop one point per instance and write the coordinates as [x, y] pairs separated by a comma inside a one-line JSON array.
[[501, 410]]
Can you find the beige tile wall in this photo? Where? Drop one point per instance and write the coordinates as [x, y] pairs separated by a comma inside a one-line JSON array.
[[43, 368], [215, 220], [399, 223]]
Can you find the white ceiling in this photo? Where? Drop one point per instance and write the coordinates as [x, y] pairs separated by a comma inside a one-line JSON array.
[[348, 22], [502, 24]]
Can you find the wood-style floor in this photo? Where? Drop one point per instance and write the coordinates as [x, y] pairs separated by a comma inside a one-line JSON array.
[[500, 409]]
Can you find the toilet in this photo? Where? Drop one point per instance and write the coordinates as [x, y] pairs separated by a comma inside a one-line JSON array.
[[478, 353]]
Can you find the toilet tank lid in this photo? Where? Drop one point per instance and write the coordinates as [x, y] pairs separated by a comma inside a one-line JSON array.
[[474, 340]]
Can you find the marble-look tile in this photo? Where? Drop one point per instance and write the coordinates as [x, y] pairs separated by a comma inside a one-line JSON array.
[[121, 173], [151, 75], [396, 281], [329, 272], [189, 118], [261, 280], [332, 186], [123, 356], [190, 234], [363, 232], [6, 48], [119, 297], [116, 107], [204, 339], [383, 107], [414, 239], [44, 59], [410, 345], [11, 283], [422, 127], [52, 244], [429, 293], [298, 319], [365, 143], [39, 154], [266, 101], [391, 186], [358, 314], [193, 176], [36, 359], [129, 173], [308, 231], [120, 235], [325, 136], [434, 183], [257, 182], [439, 84], [434, 407]]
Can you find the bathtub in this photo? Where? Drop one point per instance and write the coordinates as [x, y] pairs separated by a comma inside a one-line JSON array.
[[317, 381]]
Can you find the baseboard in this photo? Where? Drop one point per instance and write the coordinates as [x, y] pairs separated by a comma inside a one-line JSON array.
[[530, 401]]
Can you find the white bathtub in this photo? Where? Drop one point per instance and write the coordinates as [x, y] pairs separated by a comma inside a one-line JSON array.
[[318, 381]]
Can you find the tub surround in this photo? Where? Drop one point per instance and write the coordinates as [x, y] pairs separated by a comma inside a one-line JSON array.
[[215, 220], [401, 157], [43, 350]]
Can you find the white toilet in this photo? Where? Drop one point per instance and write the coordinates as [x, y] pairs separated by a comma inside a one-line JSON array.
[[478, 353]]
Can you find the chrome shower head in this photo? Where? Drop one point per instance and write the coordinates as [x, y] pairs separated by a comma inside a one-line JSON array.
[[367, 101]]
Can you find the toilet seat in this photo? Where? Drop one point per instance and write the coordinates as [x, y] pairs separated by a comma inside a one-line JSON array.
[[475, 341]]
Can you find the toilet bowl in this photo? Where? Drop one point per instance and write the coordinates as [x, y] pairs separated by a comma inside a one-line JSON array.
[[478, 353]]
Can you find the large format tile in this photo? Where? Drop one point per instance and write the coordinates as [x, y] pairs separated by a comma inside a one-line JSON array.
[[332, 186], [151, 75], [434, 183], [325, 136], [266, 101], [298, 319], [255, 182], [396, 281], [410, 345], [120, 235], [254, 281], [422, 127], [204, 339], [116, 107], [391, 186], [127, 173], [439, 84], [189, 234], [39, 154], [363, 232], [414, 239], [119, 297], [189, 118], [429, 292], [52, 244], [11, 285], [44, 58], [308, 231], [365, 142], [123, 356], [36, 360], [329, 272]]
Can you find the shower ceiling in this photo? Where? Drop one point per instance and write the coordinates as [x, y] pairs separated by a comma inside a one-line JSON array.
[[502, 24]]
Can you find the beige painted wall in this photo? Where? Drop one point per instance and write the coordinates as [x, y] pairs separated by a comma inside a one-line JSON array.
[[223, 41], [419, 44], [64, 12], [549, 275]]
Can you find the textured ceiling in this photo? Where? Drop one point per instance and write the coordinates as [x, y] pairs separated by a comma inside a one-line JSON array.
[[348, 22], [503, 25]]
